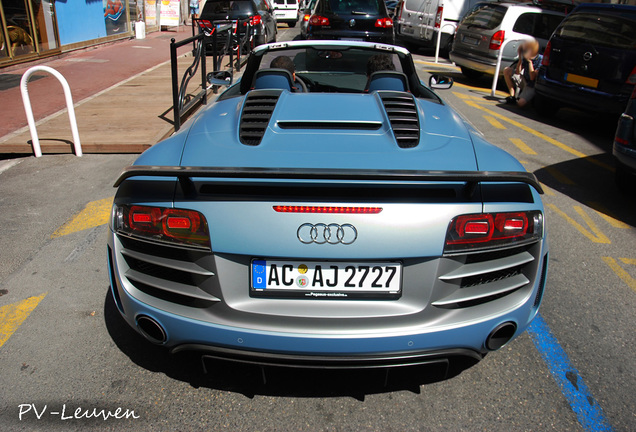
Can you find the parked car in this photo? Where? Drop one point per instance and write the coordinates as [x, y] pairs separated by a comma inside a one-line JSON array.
[[419, 21], [332, 220], [481, 35], [355, 20], [590, 61], [286, 11], [625, 147], [304, 13], [259, 12]]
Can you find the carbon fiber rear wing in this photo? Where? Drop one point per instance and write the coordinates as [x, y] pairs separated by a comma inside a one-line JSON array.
[[471, 178]]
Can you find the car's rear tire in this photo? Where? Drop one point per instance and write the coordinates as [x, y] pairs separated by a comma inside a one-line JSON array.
[[545, 107], [292, 24], [471, 73]]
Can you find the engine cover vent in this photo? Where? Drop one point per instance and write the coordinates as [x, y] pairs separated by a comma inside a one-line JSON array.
[[402, 111], [257, 111]]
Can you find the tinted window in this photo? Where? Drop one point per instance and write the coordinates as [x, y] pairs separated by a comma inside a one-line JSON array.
[[349, 6], [600, 29], [226, 7], [487, 17], [539, 25]]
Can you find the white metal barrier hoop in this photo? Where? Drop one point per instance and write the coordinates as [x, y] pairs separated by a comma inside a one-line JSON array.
[[37, 151], [439, 39]]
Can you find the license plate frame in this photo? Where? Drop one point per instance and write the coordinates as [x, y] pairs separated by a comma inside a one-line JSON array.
[[347, 279]]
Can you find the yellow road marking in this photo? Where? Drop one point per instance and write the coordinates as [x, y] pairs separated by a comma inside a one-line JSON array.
[[521, 145], [461, 95], [444, 65], [607, 215], [548, 191], [620, 272], [95, 213], [631, 261], [559, 176], [541, 135], [494, 122], [13, 315], [481, 90], [596, 235]]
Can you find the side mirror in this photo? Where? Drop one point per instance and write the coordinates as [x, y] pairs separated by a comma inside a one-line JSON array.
[[440, 82], [220, 78]]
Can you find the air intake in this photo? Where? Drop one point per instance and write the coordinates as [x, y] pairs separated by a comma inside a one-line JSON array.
[[257, 111], [402, 112]]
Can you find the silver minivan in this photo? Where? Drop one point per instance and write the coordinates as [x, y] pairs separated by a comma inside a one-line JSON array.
[[487, 28]]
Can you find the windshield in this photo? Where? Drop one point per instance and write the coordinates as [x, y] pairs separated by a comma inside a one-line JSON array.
[[228, 8], [362, 7], [609, 30], [334, 70], [487, 17]]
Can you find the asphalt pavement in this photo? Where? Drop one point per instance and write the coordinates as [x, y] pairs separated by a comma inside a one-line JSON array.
[[65, 353]]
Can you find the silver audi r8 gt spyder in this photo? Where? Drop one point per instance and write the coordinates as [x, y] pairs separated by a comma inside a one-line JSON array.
[[328, 215]]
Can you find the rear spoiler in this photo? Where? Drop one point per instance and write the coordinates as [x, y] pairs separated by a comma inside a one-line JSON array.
[[471, 178]]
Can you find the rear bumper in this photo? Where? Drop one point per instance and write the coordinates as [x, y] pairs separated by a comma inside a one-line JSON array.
[[486, 65], [285, 16], [579, 97], [625, 156], [381, 37]]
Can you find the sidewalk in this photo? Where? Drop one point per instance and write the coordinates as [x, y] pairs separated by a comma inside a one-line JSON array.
[[122, 94]]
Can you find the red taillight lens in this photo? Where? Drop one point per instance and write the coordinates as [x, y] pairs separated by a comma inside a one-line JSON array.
[[327, 209], [255, 20], [401, 8], [183, 227], [306, 17], [497, 40], [546, 54], [438, 16], [384, 23], [317, 20], [493, 230], [632, 77]]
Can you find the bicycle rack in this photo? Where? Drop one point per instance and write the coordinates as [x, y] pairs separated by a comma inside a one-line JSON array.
[[439, 39], [35, 141]]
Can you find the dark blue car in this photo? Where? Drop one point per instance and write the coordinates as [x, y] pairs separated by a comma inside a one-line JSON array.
[[590, 60], [625, 146]]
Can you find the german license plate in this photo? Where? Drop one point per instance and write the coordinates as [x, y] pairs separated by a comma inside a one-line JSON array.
[[581, 80], [408, 30], [325, 279]]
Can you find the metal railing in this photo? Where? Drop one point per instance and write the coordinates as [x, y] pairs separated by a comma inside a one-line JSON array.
[[493, 90], [35, 141], [179, 105]]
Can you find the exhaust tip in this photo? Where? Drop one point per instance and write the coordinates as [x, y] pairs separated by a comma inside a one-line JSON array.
[[151, 329], [501, 335]]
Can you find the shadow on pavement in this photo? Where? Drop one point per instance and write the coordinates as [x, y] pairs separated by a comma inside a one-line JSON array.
[[591, 184], [251, 380]]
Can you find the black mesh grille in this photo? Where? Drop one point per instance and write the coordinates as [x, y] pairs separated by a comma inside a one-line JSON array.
[[257, 111], [544, 268], [402, 112], [489, 277]]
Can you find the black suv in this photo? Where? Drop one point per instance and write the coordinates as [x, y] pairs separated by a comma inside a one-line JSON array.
[[590, 61], [259, 12], [361, 20]]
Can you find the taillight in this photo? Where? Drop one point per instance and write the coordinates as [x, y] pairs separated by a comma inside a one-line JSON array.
[[546, 54], [384, 23], [165, 225], [306, 17], [632, 78], [497, 40], [438, 16], [255, 20], [472, 232], [401, 7], [317, 20]]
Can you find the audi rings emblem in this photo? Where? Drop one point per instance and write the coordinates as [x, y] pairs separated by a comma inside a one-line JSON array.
[[587, 56], [327, 233]]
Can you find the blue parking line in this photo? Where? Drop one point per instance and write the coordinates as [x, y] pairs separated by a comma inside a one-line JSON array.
[[587, 410]]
